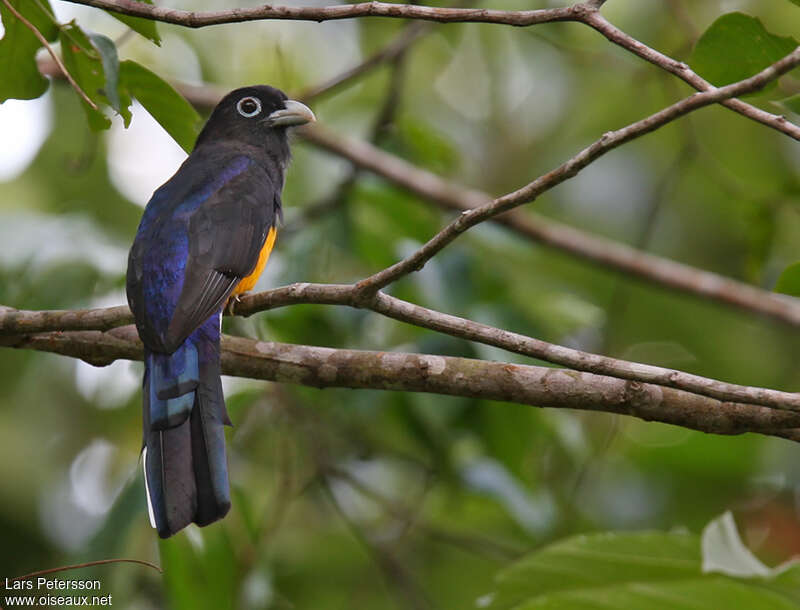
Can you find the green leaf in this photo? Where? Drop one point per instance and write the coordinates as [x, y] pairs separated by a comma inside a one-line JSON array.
[[644, 570], [789, 280], [20, 76], [588, 562], [145, 27], [167, 106], [788, 581], [93, 63], [698, 594], [84, 63], [797, 2], [110, 62], [737, 46]]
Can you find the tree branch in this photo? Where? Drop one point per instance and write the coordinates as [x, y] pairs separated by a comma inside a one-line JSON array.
[[12, 321], [597, 250], [198, 19], [610, 140], [381, 124], [481, 544], [409, 593], [595, 20], [403, 311], [16, 322], [394, 49], [537, 386]]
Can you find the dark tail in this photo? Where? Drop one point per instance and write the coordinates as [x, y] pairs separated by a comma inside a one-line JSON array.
[[186, 473]]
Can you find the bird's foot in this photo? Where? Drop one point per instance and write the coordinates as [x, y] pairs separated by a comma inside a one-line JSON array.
[[233, 301]]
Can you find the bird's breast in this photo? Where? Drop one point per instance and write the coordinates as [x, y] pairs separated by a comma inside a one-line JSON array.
[[248, 282]]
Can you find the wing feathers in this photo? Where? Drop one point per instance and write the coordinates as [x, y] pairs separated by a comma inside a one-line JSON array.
[[203, 236], [197, 304]]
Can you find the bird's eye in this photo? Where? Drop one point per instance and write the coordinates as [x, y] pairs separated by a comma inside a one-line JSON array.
[[249, 106]]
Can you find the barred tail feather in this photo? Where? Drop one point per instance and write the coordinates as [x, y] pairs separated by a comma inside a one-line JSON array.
[[186, 477]]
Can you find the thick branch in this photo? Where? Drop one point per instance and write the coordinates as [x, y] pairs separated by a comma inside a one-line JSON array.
[[322, 367], [199, 19], [403, 311], [16, 322], [11, 321]]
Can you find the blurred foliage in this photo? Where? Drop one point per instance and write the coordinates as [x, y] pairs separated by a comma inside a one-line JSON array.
[[789, 280], [736, 46], [647, 570], [368, 499]]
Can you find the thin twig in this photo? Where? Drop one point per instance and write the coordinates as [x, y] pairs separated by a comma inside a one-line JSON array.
[[594, 249], [368, 287], [397, 47], [685, 73], [620, 293], [381, 123], [53, 54], [88, 564]]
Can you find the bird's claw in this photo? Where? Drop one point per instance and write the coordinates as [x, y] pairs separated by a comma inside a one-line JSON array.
[[232, 302]]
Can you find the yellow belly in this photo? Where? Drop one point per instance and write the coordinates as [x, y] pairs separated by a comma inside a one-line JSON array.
[[248, 282]]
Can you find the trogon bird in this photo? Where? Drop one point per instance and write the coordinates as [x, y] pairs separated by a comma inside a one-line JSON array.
[[204, 238]]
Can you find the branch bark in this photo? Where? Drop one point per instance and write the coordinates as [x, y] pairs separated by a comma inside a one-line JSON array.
[[13, 323], [16, 322], [537, 386], [199, 19], [403, 311]]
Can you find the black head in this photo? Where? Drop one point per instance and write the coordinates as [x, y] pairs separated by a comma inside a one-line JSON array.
[[254, 115]]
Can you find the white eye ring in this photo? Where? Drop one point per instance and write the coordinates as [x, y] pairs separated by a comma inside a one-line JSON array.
[[244, 113]]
